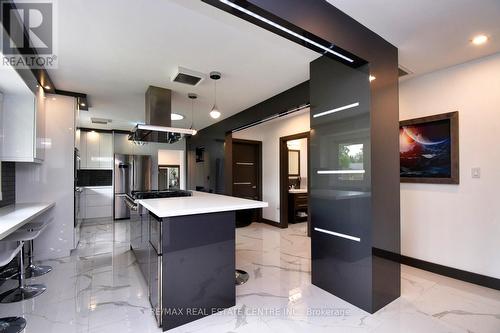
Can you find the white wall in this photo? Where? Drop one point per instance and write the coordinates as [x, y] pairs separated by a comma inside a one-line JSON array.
[[269, 133], [458, 226], [53, 180], [174, 157], [122, 145]]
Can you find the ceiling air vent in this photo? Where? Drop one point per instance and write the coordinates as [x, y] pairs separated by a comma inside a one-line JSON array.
[[100, 121], [188, 76], [403, 71]]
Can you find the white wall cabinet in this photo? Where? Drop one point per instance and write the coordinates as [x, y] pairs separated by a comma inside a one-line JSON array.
[[106, 151], [22, 122], [96, 150], [97, 202]]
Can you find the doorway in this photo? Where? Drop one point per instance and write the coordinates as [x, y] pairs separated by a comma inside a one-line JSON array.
[[247, 177], [169, 177], [294, 185]]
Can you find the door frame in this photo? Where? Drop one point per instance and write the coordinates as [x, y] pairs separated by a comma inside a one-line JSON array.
[[283, 175], [229, 158]]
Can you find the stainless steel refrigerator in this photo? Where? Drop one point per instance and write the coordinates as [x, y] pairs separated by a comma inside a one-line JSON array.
[[132, 173]]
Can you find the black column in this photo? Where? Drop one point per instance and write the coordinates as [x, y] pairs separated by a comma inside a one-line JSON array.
[[341, 197]]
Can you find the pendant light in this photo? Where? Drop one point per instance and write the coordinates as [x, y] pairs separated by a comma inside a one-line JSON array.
[[215, 113], [192, 97]]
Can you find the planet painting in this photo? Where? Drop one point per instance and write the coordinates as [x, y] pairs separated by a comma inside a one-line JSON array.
[[425, 150]]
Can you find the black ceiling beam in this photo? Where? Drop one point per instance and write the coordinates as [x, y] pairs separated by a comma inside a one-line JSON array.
[[81, 99], [248, 5]]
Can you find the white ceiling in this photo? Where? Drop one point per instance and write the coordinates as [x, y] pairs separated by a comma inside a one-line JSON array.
[[430, 34], [114, 49]]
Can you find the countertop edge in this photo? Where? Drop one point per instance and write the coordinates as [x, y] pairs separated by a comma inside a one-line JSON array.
[[47, 206], [198, 211]]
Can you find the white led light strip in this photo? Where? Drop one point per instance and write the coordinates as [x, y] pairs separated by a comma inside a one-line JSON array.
[[350, 106], [166, 129], [356, 239], [288, 31], [340, 172]]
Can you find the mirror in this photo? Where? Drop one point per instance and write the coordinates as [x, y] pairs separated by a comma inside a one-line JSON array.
[[169, 177], [293, 162]]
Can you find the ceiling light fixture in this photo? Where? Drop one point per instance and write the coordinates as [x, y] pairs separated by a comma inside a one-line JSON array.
[[479, 39], [288, 31], [192, 97], [372, 78], [176, 116], [47, 87], [215, 113]]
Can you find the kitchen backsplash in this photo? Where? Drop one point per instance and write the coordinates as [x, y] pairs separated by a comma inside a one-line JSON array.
[[8, 184], [87, 177]]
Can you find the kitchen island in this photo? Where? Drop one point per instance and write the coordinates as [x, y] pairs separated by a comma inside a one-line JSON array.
[[192, 255]]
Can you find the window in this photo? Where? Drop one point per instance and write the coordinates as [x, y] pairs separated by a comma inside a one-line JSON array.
[[351, 158]]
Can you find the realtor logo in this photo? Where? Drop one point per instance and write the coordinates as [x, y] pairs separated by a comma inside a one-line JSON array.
[[28, 34]]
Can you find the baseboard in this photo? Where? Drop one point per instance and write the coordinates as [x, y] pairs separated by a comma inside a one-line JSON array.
[[274, 224], [482, 280], [454, 273]]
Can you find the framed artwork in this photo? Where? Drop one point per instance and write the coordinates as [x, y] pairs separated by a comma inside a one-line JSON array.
[[428, 149]]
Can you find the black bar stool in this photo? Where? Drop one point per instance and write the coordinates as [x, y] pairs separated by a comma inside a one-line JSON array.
[[11, 324]]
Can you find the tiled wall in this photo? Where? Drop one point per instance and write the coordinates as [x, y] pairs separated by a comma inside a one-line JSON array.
[[8, 183], [95, 177]]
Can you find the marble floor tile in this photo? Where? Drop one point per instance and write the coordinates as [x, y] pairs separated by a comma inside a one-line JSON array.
[[99, 288]]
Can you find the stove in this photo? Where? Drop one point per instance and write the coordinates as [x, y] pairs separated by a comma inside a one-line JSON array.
[[160, 194]]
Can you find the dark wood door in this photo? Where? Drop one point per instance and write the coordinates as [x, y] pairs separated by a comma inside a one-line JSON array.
[[247, 168]]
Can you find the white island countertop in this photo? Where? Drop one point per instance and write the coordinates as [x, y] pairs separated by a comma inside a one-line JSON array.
[[198, 203], [15, 216]]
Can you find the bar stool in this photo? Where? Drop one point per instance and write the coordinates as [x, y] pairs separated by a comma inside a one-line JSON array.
[[24, 291], [11, 324], [35, 228]]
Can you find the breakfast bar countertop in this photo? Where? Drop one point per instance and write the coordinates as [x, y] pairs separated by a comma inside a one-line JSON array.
[[15, 216], [198, 203]]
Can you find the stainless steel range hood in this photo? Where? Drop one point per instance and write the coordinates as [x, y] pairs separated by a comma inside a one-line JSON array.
[[158, 127]]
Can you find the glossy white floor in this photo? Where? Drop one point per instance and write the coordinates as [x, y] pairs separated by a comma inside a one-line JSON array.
[[99, 289]]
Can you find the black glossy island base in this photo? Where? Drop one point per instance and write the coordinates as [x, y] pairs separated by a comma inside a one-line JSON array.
[[192, 265]]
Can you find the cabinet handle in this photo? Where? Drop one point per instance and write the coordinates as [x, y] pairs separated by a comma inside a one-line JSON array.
[[242, 183]]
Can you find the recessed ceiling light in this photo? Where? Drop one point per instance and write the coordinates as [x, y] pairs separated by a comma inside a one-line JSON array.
[[479, 39], [82, 104], [47, 87], [372, 78], [176, 116]]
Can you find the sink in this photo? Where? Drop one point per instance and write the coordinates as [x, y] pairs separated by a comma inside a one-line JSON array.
[[298, 190]]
